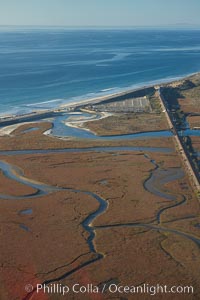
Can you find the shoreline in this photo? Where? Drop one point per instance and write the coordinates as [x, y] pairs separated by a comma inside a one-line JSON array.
[[129, 90], [71, 106]]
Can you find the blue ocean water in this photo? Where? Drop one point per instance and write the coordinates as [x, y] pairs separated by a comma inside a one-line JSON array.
[[44, 68]]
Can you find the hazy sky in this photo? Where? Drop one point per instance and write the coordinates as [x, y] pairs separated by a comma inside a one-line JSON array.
[[99, 12]]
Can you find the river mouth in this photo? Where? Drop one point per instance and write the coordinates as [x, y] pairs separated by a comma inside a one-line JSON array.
[[45, 233], [63, 128], [155, 184]]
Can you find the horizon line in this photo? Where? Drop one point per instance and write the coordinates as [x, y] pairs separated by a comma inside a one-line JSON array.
[[99, 28]]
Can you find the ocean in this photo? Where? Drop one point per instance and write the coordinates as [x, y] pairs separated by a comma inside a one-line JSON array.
[[42, 68]]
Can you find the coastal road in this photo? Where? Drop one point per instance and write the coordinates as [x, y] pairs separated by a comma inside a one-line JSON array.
[[180, 146]]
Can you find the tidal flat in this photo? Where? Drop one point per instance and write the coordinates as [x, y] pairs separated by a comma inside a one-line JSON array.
[[125, 241], [97, 211]]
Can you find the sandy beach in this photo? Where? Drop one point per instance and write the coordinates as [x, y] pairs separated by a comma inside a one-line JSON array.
[[69, 107], [93, 209]]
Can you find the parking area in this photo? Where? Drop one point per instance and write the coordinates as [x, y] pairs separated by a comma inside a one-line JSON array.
[[141, 104]]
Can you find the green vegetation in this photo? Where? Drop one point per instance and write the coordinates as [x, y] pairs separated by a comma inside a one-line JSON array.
[[172, 95], [179, 118], [155, 104], [187, 84], [194, 159]]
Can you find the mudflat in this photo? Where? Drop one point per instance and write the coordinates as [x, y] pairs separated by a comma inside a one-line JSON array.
[[20, 140], [141, 229], [73, 212]]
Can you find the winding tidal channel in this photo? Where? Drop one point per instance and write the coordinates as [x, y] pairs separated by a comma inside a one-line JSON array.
[[155, 184]]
